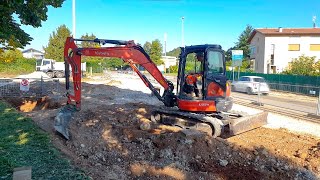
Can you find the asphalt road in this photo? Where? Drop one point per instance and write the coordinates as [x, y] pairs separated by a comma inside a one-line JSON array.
[[290, 101]]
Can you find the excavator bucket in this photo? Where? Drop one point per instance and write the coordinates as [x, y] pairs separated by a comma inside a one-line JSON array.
[[63, 119], [247, 123]]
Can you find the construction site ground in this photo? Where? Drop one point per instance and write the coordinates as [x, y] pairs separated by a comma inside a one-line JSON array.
[[108, 143]]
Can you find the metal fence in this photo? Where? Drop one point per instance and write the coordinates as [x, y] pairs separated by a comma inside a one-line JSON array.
[[38, 87], [308, 85], [300, 89]]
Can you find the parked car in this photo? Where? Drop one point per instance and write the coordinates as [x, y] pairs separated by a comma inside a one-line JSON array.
[[250, 85]]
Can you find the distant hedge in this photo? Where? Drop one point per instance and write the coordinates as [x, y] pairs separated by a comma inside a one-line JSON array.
[[18, 66]]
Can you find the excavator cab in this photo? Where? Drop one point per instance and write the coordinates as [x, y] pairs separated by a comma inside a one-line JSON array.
[[202, 82]]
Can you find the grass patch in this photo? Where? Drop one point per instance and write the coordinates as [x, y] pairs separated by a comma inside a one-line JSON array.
[[22, 143]]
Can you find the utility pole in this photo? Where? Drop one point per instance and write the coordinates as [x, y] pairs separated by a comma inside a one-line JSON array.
[[182, 32], [74, 18], [165, 44]]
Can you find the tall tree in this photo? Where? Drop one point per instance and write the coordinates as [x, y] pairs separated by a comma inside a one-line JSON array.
[[89, 44], [243, 43], [156, 52], [147, 47], [29, 12], [55, 47]]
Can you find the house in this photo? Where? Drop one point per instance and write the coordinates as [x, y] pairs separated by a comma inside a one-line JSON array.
[[33, 53], [168, 61], [272, 49]]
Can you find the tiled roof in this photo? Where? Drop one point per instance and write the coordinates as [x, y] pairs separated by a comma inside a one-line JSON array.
[[285, 31]]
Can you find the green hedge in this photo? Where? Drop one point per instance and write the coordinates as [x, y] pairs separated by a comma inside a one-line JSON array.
[[19, 66]]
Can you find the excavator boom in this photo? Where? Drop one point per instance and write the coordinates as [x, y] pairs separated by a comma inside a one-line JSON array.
[[128, 51]]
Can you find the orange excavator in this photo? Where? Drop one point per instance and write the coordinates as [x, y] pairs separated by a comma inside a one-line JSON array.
[[210, 106]]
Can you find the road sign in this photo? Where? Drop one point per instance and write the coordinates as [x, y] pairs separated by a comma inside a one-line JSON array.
[[237, 56], [24, 85]]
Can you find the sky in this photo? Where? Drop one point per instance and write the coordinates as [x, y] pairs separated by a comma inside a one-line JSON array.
[[205, 21]]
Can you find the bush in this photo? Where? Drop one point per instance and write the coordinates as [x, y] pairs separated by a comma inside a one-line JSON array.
[[18, 66]]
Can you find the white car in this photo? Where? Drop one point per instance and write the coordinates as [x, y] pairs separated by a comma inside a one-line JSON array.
[[250, 85]]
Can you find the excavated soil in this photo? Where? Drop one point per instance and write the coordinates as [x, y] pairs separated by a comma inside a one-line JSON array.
[[107, 143]]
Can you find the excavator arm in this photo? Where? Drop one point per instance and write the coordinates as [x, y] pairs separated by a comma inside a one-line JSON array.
[[129, 52]]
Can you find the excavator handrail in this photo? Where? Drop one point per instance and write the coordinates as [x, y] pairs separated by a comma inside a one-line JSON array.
[[107, 41]]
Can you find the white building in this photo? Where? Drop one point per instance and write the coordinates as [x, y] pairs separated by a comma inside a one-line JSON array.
[[33, 53], [272, 49], [169, 61]]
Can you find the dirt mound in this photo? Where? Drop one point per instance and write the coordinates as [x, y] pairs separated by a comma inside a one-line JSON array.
[[28, 104], [108, 144]]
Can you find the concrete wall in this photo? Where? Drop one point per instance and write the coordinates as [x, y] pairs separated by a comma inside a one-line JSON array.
[[258, 45]]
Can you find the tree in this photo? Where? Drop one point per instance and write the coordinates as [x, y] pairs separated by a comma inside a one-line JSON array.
[[228, 53], [55, 47], [109, 62], [175, 52], [29, 12], [303, 65], [243, 43], [85, 44], [9, 56], [147, 47], [156, 52]]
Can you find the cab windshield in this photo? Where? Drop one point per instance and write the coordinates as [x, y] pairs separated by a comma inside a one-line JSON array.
[[215, 62]]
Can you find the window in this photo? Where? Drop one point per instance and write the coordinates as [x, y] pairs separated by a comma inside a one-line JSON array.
[[46, 62], [244, 79], [258, 80], [215, 62], [272, 48], [38, 62], [294, 47], [314, 47], [252, 50]]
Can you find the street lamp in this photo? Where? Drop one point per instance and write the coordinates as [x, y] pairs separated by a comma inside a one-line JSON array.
[[182, 32], [74, 18], [165, 44]]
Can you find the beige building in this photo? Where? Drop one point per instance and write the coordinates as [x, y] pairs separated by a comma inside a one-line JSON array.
[[272, 49]]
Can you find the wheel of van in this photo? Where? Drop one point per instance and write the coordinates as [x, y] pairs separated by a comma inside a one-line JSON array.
[[50, 74], [249, 90]]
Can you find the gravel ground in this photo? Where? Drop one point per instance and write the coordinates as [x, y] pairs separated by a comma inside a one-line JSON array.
[[108, 143]]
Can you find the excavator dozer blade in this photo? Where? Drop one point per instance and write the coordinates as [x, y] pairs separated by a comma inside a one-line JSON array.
[[247, 123], [62, 120]]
